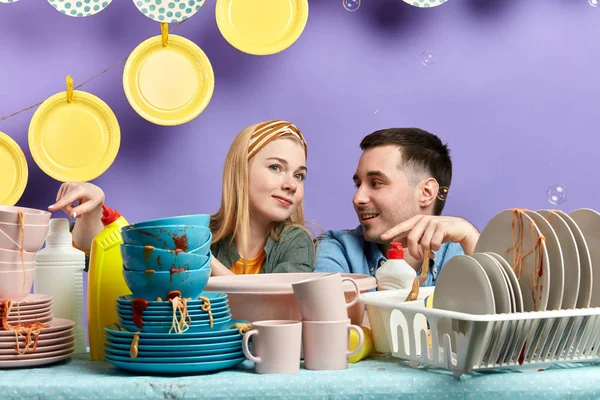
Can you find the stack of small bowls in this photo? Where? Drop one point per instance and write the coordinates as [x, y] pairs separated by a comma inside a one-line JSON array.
[[16, 267], [166, 255]]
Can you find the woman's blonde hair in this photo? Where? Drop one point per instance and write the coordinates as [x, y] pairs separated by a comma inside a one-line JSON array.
[[233, 217]]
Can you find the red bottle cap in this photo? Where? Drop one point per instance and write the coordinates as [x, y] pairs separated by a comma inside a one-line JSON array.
[[109, 216], [396, 252]]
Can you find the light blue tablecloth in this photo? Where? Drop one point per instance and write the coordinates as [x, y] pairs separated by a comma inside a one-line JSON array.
[[378, 378]]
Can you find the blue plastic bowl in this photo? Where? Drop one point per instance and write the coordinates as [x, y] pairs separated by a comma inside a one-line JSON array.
[[189, 238], [140, 258], [195, 219], [149, 286]]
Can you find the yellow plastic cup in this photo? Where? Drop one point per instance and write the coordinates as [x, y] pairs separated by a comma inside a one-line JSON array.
[[367, 348]]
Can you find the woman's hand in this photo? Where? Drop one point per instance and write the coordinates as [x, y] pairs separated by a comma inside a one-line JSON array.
[[88, 196]]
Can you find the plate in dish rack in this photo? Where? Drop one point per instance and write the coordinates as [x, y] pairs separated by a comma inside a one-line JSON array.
[[513, 235], [589, 222], [584, 295], [571, 263], [463, 286]]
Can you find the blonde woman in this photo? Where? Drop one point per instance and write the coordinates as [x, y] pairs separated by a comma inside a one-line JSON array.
[[259, 227]]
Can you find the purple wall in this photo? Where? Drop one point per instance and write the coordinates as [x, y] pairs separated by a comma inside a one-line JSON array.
[[514, 90]]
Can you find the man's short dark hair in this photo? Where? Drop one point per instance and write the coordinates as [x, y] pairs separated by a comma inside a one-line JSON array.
[[420, 150]]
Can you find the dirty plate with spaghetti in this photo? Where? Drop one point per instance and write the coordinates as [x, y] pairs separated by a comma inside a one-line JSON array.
[[555, 260], [179, 319], [216, 300], [37, 345], [186, 352], [513, 235], [228, 332]]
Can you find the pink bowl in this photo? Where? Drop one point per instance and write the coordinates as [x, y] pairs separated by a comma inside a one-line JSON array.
[[12, 256], [32, 216], [16, 266], [15, 285], [270, 296], [10, 236]]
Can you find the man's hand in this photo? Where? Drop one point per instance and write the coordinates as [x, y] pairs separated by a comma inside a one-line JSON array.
[[428, 232]]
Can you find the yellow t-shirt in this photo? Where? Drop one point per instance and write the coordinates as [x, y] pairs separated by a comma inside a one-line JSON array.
[[253, 266]]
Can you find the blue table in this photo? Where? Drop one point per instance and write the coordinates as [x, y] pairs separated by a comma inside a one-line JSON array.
[[377, 378]]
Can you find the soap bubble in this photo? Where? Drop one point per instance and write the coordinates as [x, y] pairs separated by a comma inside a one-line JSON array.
[[427, 59], [351, 5], [556, 194], [593, 3], [443, 193]]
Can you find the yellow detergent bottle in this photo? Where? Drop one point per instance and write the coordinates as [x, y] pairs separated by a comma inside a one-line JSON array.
[[105, 280]]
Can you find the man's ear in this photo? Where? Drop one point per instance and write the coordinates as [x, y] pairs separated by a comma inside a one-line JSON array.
[[427, 192]]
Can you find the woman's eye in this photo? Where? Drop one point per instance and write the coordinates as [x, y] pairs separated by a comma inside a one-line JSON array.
[[300, 177], [276, 167]]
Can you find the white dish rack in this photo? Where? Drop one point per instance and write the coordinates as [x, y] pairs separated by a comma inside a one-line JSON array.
[[411, 331]]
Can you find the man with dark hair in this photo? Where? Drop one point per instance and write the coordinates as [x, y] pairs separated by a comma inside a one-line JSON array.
[[402, 180]]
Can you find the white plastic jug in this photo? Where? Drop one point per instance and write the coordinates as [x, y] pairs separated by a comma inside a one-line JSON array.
[[59, 273]]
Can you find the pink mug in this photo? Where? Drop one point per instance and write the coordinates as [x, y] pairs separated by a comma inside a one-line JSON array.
[[277, 346], [322, 298], [326, 344]]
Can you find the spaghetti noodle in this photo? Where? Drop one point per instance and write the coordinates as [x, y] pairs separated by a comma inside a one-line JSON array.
[[242, 327], [133, 349], [519, 256], [414, 291], [206, 307], [21, 217], [26, 330], [182, 324]]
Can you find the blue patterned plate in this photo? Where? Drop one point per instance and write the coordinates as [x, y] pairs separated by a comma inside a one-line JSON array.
[[425, 3], [179, 368], [75, 8], [158, 11]]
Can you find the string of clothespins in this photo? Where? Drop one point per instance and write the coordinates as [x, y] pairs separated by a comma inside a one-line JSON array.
[[165, 40]]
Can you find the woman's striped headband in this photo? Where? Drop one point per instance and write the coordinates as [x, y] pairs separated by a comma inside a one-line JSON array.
[[266, 132]]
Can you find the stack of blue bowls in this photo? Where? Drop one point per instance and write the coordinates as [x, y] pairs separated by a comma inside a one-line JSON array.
[[161, 257], [166, 255]]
